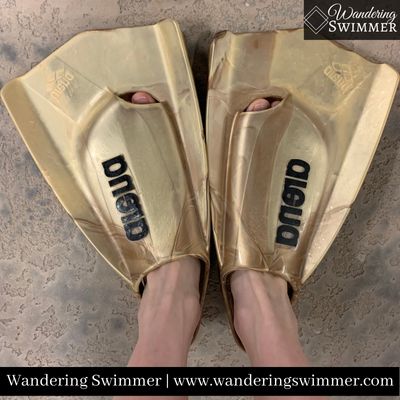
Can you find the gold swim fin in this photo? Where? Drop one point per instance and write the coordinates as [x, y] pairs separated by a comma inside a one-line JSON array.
[[282, 180], [133, 177]]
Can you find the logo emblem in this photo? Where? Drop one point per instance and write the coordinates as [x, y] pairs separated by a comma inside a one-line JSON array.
[[316, 19], [351, 19], [293, 198], [127, 202], [60, 83], [344, 76]]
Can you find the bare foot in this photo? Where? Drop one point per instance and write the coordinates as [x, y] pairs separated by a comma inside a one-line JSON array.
[[263, 316], [170, 304]]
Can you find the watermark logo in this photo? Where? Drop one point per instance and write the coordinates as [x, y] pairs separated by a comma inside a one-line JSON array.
[[352, 19], [316, 20]]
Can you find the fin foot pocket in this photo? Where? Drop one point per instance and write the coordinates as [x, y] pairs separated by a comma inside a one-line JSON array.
[[132, 176], [284, 178]]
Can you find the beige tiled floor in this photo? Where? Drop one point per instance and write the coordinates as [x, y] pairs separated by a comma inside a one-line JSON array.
[[59, 302]]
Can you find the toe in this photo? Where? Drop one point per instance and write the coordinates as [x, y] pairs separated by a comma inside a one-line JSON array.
[[258, 105], [142, 98], [275, 103]]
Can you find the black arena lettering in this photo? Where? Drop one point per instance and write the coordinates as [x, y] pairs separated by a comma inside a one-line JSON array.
[[293, 198], [127, 202]]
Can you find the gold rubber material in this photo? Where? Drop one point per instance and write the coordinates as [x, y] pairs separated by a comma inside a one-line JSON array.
[[282, 180], [133, 177]]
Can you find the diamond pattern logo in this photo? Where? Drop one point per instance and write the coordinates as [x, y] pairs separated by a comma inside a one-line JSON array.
[[316, 20]]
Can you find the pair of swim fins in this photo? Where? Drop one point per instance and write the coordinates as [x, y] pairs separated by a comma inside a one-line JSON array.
[[139, 180]]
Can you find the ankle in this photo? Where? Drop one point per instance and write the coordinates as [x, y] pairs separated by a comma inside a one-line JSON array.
[[262, 309], [171, 302], [176, 316], [177, 278], [179, 306], [252, 289]]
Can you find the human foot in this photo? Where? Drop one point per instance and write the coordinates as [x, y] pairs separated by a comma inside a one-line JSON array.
[[170, 304], [264, 319], [263, 316]]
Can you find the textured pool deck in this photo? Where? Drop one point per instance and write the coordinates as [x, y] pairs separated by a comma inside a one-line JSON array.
[[60, 304]]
